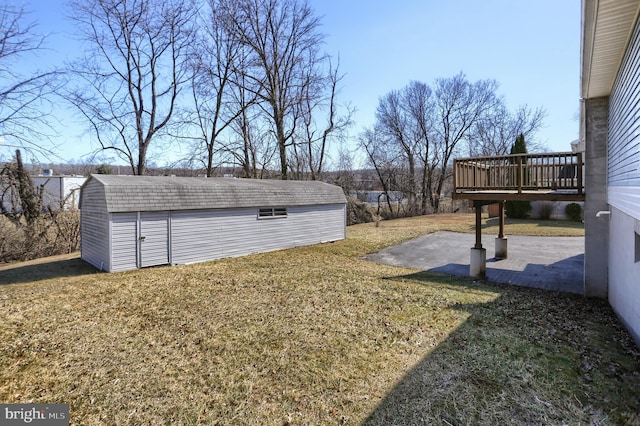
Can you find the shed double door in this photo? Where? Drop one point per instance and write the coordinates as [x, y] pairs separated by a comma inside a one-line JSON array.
[[154, 238]]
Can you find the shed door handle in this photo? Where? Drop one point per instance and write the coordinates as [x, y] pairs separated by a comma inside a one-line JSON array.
[[142, 238]]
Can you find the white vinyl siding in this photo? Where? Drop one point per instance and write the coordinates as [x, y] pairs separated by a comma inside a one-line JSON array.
[[124, 247], [624, 120], [121, 232], [202, 235], [623, 149], [154, 238], [94, 228], [239, 232], [317, 224], [195, 236], [93, 245]]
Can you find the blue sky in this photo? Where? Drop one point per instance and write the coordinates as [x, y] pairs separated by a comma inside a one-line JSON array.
[[531, 48]]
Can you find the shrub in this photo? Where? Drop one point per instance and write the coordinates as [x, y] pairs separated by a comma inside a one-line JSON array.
[[50, 234], [574, 211], [545, 209], [517, 209], [358, 212]]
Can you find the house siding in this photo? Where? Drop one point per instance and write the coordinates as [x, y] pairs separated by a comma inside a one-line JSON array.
[[623, 168], [623, 189], [624, 270]]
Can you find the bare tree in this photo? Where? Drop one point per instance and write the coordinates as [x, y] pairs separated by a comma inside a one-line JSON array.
[[251, 144], [419, 102], [24, 118], [459, 106], [385, 162], [283, 39], [314, 137], [217, 71], [496, 131], [19, 200], [394, 123], [134, 70], [405, 119]]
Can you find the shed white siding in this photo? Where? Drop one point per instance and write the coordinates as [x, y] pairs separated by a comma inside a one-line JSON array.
[[154, 238], [94, 228], [139, 233], [202, 235], [124, 237], [195, 235], [239, 233], [321, 224], [93, 244]]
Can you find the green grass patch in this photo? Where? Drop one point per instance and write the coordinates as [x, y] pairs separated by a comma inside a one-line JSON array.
[[313, 335]]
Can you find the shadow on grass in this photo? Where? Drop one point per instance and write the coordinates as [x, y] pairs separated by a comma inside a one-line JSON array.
[[45, 270], [527, 356]]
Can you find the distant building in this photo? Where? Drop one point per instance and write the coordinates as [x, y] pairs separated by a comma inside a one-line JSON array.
[[57, 191]]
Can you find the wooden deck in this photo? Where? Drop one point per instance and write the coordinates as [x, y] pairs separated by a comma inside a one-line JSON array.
[[552, 177]]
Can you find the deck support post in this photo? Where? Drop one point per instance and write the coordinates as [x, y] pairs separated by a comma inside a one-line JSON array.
[[501, 242], [478, 264], [477, 205]]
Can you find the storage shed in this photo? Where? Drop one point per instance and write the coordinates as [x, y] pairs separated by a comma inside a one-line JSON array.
[[130, 222]]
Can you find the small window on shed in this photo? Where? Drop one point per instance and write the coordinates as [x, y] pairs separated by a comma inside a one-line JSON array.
[[637, 257], [267, 212]]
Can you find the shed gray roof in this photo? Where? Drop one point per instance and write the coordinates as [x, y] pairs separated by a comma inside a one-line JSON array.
[[153, 193]]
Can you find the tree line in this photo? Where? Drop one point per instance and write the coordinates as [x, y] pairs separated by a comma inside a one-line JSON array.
[[420, 128], [244, 82]]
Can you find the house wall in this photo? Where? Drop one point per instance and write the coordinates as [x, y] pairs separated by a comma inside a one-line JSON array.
[[202, 235], [624, 270], [623, 191], [95, 227]]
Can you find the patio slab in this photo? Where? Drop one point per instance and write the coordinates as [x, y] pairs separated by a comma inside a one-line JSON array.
[[550, 263]]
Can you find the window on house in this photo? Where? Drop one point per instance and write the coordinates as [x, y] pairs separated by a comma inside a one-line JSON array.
[[267, 212], [637, 258]]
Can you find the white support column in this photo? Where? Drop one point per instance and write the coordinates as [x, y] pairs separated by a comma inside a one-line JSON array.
[[501, 248], [478, 266]]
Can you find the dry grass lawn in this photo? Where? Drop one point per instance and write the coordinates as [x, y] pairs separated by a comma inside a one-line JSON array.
[[313, 335]]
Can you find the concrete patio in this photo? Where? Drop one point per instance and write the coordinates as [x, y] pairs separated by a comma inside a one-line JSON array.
[[550, 263]]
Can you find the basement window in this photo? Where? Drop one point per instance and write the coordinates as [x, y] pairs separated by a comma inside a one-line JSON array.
[[271, 212]]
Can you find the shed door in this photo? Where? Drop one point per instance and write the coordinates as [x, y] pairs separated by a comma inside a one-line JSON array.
[[154, 238]]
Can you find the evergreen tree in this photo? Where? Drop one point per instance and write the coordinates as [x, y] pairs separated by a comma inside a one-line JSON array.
[[519, 147], [518, 209]]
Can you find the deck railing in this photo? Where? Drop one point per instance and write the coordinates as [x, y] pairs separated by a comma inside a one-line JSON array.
[[520, 172]]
